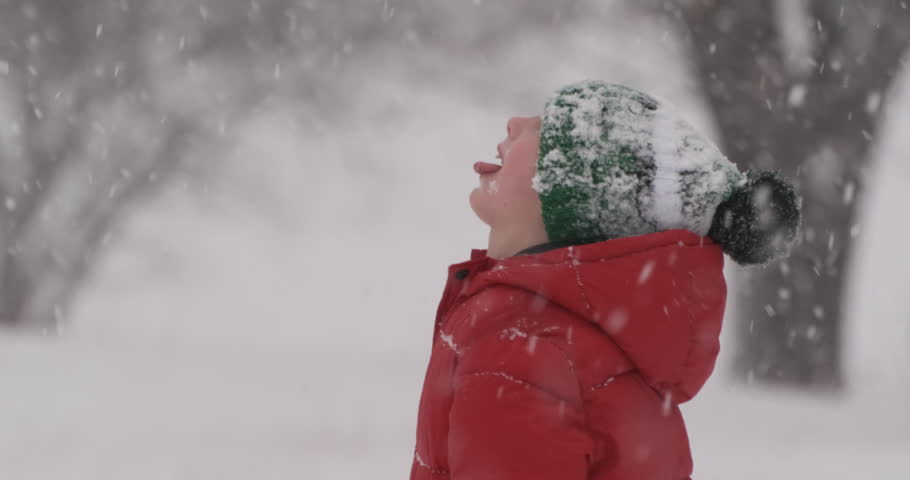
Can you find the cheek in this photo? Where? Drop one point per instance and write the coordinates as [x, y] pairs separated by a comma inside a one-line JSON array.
[[512, 191], [517, 181], [516, 193]]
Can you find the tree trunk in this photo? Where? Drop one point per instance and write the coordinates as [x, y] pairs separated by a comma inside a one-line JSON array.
[[92, 135], [813, 118]]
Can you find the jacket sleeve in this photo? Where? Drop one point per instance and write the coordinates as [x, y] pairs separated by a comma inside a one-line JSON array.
[[517, 412]]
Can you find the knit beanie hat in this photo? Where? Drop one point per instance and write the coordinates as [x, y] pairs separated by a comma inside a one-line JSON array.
[[615, 162]]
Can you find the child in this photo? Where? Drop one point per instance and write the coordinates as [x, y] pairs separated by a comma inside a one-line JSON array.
[[564, 350]]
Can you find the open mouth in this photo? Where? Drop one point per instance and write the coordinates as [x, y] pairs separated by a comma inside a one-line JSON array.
[[484, 168]]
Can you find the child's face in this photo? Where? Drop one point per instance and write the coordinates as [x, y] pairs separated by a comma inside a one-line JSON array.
[[505, 198]]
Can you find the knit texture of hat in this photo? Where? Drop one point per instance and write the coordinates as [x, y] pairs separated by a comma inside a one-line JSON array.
[[615, 162]]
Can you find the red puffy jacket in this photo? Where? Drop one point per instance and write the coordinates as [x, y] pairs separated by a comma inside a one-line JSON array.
[[569, 364]]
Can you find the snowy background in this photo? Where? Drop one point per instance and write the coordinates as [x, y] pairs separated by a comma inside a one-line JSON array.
[[272, 319]]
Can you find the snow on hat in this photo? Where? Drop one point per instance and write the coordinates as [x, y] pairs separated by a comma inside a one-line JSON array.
[[615, 162]]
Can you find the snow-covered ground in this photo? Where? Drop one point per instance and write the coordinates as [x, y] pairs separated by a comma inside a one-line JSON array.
[[278, 326]]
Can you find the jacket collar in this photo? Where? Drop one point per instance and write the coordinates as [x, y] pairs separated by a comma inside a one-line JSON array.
[[660, 297], [544, 247]]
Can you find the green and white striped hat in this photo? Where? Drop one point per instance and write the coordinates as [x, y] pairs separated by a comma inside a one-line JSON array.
[[615, 162]]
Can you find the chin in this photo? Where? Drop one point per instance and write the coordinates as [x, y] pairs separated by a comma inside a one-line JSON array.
[[480, 203]]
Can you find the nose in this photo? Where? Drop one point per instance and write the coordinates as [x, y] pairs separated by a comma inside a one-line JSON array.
[[512, 126], [516, 125]]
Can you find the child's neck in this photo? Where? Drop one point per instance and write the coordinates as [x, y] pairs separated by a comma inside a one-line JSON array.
[[504, 243]]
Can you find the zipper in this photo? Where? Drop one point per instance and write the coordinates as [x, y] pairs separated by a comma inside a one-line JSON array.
[[454, 284]]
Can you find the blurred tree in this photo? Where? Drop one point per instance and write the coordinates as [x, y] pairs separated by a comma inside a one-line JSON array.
[[798, 86], [104, 101], [81, 140], [100, 102]]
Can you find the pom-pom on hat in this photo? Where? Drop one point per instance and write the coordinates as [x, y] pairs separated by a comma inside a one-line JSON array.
[[615, 162]]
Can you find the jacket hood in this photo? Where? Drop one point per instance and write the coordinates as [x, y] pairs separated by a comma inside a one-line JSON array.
[[660, 298]]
